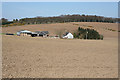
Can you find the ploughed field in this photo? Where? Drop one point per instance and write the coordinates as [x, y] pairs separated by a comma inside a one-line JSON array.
[[38, 57]]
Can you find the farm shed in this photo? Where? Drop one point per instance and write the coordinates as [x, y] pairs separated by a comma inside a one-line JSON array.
[[68, 35], [40, 33], [23, 32]]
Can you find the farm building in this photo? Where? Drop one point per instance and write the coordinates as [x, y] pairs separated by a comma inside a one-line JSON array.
[[33, 34], [23, 32], [40, 33], [68, 35]]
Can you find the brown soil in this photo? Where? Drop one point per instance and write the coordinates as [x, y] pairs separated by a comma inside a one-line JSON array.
[[38, 57]]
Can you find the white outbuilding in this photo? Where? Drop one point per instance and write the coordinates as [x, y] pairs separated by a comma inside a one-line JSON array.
[[23, 32], [68, 35]]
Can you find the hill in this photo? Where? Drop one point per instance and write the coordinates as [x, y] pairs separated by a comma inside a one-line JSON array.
[[106, 29]]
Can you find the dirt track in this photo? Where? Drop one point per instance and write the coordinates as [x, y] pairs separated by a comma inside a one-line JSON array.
[[43, 57]]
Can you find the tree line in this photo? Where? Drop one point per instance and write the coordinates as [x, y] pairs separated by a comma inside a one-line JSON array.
[[82, 33], [60, 19]]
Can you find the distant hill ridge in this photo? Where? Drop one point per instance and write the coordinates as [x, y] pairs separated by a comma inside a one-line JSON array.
[[60, 19]]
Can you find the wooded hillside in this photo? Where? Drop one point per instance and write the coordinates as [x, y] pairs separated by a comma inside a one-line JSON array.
[[59, 19]]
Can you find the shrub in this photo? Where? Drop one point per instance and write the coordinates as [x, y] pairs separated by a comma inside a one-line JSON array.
[[101, 37], [60, 32], [111, 29], [90, 26]]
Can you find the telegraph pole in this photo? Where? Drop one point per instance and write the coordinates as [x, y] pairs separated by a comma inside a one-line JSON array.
[[86, 34]]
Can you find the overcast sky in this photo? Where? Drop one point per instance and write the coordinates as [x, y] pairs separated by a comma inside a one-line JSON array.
[[13, 10]]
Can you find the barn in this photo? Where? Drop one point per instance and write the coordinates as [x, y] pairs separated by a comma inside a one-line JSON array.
[[40, 33], [68, 35], [23, 32]]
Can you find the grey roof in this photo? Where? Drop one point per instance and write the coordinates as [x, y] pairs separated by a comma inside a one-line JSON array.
[[45, 32], [41, 32], [24, 31], [66, 33], [38, 32]]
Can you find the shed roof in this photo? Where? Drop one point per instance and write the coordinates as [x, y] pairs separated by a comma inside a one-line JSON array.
[[24, 31]]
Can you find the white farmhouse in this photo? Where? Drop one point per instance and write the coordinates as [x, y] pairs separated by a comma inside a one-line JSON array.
[[68, 36]]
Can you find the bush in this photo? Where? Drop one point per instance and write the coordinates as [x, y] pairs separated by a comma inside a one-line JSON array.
[[101, 37], [87, 34], [60, 32], [90, 26]]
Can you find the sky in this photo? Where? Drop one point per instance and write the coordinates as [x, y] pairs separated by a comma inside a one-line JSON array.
[[18, 10]]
